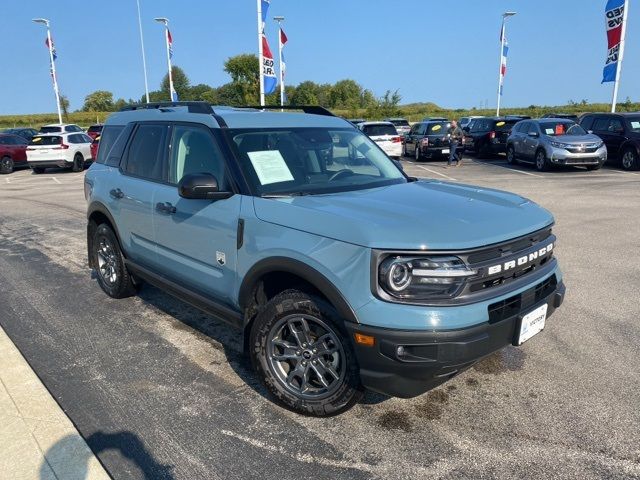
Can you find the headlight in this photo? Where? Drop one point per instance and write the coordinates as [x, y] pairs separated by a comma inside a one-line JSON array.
[[599, 145], [560, 145], [423, 278]]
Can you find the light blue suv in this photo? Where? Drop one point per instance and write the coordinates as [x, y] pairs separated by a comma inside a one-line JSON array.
[[342, 272]]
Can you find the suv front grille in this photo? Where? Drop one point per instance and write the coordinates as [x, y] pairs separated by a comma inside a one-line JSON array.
[[514, 305]]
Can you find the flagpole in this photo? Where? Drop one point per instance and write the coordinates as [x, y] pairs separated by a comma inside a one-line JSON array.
[[165, 22], [502, 37], [616, 84], [280, 46], [260, 59], [53, 74], [144, 60]]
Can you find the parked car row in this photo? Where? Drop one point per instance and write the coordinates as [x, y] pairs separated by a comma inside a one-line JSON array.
[[55, 145]]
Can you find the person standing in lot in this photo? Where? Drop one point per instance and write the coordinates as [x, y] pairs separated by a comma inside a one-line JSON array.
[[455, 136]]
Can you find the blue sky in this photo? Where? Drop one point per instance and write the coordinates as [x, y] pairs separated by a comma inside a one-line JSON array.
[[446, 52]]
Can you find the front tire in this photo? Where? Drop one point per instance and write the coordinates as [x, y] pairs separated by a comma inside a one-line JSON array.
[[630, 159], [78, 163], [542, 164], [108, 261], [303, 355], [6, 165], [511, 155]]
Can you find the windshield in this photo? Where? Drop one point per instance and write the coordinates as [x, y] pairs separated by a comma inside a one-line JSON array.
[[50, 129], [304, 161], [378, 130], [553, 129], [46, 140], [634, 124]]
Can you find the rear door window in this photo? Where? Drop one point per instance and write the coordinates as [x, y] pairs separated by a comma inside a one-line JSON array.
[[146, 153]]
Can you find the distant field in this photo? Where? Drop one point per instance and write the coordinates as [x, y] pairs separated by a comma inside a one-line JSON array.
[[413, 112]]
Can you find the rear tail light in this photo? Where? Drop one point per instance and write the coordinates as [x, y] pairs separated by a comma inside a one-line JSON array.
[[492, 135], [396, 139], [424, 142], [63, 146]]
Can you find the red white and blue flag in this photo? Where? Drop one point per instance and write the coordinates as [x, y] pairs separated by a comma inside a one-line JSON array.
[[269, 76], [503, 57], [614, 18], [283, 41], [170, 43], [53, 48]]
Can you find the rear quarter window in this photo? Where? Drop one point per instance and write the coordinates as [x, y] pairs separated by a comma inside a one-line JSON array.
[[108, 138]]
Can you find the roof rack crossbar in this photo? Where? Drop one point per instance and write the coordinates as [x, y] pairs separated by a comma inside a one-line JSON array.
[[311, 109], [194, 107]]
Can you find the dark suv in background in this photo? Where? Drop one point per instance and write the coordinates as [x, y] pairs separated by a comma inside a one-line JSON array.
[[620, 133], [427, 140], [488, 136]]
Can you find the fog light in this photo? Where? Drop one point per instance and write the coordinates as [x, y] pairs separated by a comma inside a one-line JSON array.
[[400, 351]]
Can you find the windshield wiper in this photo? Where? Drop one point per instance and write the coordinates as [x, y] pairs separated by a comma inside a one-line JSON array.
[[286, 194]]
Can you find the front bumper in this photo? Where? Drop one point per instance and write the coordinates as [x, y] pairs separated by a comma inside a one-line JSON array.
[[429, 358], [560, 156]]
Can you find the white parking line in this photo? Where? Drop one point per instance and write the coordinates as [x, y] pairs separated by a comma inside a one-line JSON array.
[[7, 180], [437, 173], [507, 168], [56, 180]]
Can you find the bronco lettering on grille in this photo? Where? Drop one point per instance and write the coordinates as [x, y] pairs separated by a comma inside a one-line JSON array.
[[520, 261]]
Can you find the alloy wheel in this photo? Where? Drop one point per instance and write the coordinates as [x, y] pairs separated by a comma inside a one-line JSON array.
[[306, 356], [628, 160], [107, 261]]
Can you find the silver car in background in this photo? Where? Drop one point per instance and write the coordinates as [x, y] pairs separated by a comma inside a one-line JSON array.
[[547, 142], [401, 124]]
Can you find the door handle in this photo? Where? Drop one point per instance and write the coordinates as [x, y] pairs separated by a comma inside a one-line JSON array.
[[165, 207], [116, 193]]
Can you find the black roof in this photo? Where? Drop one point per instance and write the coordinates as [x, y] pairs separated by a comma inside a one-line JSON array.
[[620, 114]]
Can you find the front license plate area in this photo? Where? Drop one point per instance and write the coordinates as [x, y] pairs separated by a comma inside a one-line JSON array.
[[532, 324], [445, 150]]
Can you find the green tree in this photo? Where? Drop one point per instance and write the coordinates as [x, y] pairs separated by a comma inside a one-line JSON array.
[[64, 106], [345, 94], [120, 103], [305, 93], [244, 71], [181, 84], [98, 101]]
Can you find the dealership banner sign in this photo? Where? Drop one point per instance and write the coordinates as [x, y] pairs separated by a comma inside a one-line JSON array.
[[614, 18]]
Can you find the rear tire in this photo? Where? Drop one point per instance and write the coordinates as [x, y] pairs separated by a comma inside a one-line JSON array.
[[303, 356], [108, 261], [78, 163], [6, 165], [630, 159], [417, 155], [542, 164]]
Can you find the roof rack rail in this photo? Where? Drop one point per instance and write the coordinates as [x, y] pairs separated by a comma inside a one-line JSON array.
[[311, 109], [194, 107]]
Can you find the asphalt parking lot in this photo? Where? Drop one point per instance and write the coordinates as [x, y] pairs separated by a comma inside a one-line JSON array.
[[160, 390]]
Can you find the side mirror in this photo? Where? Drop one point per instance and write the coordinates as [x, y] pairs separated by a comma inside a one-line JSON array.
[[534, 134], [590, 132], [202, 186]]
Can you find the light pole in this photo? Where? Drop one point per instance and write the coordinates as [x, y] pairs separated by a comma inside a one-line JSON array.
[[503, 59], [280, 19], [46, 23], [144, 60], [167, 37]]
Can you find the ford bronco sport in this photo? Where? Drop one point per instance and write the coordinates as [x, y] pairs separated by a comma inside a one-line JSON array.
[[341, 275]]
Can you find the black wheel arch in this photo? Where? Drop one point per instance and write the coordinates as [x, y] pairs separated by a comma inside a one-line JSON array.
[[288, 266], [98, 213]]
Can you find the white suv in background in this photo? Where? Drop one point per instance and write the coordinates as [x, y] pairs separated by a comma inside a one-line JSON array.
[[61, 128], [66, 150], [385, 135]]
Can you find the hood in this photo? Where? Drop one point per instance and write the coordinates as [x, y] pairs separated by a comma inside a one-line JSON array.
[[412, 216], [576, 139]]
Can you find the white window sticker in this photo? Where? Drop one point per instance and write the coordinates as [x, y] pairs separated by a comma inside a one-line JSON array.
[[270, 167], [635, 125], [549, 131]]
